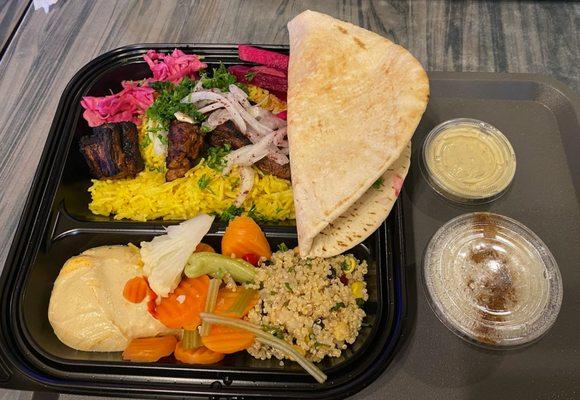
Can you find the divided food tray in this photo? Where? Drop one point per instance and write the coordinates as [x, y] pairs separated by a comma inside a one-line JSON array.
[[537, 114], [57, 225]]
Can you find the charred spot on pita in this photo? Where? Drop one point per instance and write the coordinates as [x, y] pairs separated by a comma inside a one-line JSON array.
[[360, 43]]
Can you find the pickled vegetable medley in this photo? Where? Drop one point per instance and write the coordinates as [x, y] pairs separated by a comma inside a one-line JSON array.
[[272, 304]]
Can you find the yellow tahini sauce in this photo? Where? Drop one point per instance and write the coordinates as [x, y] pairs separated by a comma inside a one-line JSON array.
[[469, 162]]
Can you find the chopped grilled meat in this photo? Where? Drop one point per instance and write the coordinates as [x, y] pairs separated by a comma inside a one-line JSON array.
[[227, 133], [185, 144], [112, 151], [271, 167]]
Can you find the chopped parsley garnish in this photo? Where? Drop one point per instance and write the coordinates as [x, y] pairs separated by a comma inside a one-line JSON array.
[[288, 287], [203, 181], [360, 302], [146, 141], [215, 157], [230, 213], [220, 79], [378, 183], [344, 266], [169, 102], [256, 216], [337, 306], [274, 330], [161, 85], [163, 139], [250, 76], [205, 129], [282, 247]]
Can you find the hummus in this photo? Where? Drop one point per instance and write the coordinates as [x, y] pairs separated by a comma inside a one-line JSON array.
[[87, 309], [470, 162]]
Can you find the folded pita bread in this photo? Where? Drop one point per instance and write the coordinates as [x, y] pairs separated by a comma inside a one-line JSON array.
[[354, 101], [366, 214]]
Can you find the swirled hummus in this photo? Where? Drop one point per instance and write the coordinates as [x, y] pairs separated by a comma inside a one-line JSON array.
[[469, 161]]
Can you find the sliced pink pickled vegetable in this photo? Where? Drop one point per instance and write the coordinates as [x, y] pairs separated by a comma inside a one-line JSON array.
[[264, 57], [127, 105], [264, 81], [282, 115], [280, 95], [173, 67], [268, 71], [397, 184], [239, 71]]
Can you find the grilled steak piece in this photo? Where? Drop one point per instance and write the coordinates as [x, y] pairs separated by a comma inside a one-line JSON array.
[[185, 144], [271, 167], [228, 133], [112, 151]]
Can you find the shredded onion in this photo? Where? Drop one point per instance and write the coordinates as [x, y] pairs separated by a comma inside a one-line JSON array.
[[247, 155], [266, 117], [232, 107], [183, 117], [278, 157], [246, 183], [253, 122], [240, 96], [253, 135], [251, 154], [194, 97], [198, 86], [236, 117], [211, 107], [270, 340], [217, 118], [264, 129]]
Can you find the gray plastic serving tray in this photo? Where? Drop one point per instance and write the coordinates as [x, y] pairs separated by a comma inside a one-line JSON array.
[[540, 117]]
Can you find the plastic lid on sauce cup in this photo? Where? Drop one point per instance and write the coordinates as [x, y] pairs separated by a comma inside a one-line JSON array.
[[468, 161], [492, 281]]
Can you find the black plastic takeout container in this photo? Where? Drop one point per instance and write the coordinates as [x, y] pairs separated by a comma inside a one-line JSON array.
[[56, 224]]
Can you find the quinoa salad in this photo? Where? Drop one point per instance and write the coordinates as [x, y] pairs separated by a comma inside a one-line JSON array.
[[313, 303]]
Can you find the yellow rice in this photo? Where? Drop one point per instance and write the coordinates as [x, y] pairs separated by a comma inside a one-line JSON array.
[[148, 196], [265, 99]]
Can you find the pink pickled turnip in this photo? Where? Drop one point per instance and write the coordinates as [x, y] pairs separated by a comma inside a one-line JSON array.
[[263, 57], [264, 81], [127, 105], [268, 71], [397, 184], [173, 67]]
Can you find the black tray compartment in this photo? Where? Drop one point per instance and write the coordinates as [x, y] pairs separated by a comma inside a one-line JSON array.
[[57, 224]]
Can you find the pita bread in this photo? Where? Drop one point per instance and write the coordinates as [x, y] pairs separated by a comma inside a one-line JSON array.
[[354, 101], [365, 215]]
